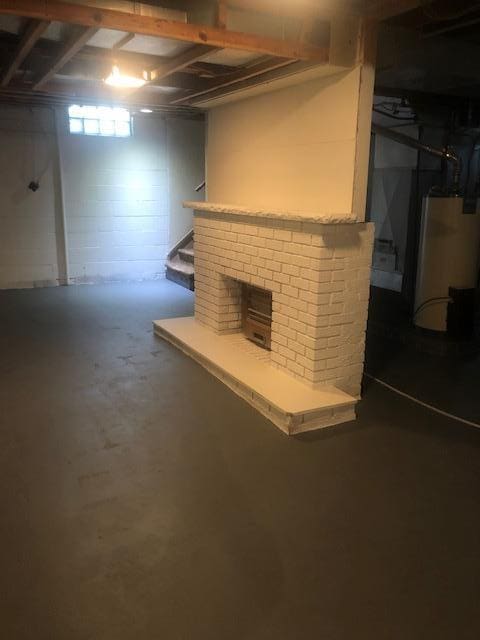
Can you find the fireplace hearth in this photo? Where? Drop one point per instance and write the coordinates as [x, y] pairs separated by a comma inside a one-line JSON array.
[[296, 286]]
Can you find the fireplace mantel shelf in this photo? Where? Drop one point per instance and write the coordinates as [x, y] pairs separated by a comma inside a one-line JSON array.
[[318, 218]]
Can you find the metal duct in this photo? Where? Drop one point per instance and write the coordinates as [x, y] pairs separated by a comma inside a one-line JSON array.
[[445, 154]]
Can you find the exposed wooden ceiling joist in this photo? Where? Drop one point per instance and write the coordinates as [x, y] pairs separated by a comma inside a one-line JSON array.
[[208, 69], [88, 16], [46, 48], [92, 63], [34, 30], [89, 70], [177, 63], [181, 61], [124, 40], [237, 76], [130, 59], [386, 9], [70, 48]]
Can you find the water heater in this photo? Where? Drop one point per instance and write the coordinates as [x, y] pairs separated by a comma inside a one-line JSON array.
[[448, 259]]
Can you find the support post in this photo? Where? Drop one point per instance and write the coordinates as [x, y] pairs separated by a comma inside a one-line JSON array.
[[65, 277]]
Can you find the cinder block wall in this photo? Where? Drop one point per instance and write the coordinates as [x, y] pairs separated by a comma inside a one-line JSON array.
[[28, 228], [122, 198], [117, 202]]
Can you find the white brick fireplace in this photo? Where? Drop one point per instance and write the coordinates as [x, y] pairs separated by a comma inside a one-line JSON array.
[[318, 272], [317, 269], [292, 165]]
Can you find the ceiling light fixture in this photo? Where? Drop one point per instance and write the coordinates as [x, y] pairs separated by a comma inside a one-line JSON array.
[[117, 79], [146, 110]]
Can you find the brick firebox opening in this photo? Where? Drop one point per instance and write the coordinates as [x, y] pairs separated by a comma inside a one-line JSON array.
[[257, 315]]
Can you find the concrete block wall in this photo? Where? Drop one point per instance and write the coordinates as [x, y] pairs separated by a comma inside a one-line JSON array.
[[28, 221], [117, 203], [122, 198], [319, 278]]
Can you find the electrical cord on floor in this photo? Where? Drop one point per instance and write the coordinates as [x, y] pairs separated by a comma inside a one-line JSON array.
[[430, 302], [445, 414]]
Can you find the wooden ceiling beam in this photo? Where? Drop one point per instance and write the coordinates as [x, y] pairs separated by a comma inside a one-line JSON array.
[[175, 64], [124, 40], [89, 16], [141, 61], [237, 76], [34, 30], [71, 47], [94, 63], [184, 59], [84, 70]]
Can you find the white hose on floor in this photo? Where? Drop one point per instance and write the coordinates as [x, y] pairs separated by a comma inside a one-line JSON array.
[[423, 404]]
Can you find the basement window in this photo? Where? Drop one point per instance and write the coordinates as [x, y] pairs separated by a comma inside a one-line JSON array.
[[100, 121]]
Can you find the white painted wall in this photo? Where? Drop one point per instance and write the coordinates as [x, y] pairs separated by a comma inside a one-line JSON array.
[[291, 149], [117, 196], [122, 198], [28, 238]]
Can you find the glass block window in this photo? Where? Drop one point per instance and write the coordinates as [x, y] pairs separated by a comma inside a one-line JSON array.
[[100, 121]]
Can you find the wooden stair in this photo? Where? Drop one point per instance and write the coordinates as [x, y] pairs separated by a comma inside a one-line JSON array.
[[180, 262]]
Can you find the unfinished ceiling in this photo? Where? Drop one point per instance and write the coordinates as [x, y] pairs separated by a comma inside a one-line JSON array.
[[62, 51], [432, 49]]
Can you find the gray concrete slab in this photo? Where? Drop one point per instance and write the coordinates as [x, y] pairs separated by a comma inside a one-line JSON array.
[[141, 499]]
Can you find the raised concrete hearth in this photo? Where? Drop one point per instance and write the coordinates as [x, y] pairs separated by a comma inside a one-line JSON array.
[[317, 271], [289, 404]]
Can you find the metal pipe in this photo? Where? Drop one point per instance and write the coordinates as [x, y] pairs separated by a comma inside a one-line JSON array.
[[393, 116], [445, 154]]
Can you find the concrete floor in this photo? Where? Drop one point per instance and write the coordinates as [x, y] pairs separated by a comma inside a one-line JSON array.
[[449, 381], [142, 500]]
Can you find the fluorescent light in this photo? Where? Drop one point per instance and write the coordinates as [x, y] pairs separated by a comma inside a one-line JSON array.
[[116, 79], [146, 110]]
